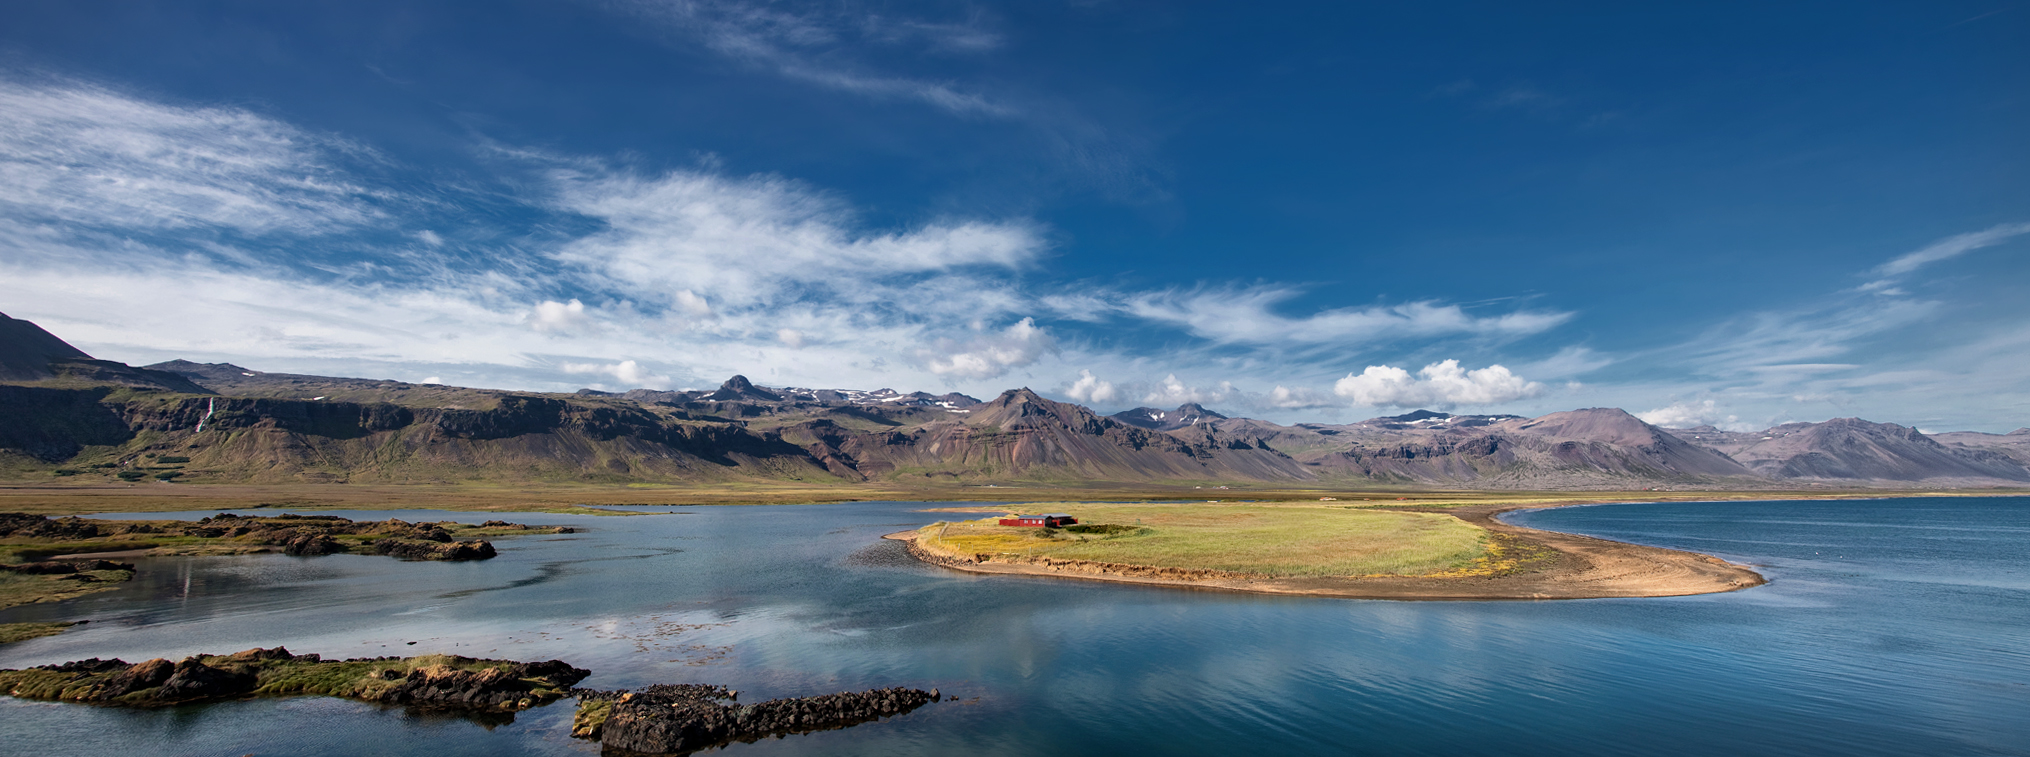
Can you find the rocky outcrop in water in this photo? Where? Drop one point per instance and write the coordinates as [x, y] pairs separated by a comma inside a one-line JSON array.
[[297, 535], [65, 567], [432, 681], [685, 718]]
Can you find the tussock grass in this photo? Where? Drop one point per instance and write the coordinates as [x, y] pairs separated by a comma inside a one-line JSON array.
[[19, 589], [13, 632], [1271, 540]]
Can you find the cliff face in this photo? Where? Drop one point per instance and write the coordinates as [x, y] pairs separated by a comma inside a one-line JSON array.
[[54, 425]]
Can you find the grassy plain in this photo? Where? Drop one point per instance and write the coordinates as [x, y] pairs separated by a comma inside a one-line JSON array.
[[1268, 540]]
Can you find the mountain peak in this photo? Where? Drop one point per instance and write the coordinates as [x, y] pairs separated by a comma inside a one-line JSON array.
[[1601, 424], [26, 350], [739, 388]]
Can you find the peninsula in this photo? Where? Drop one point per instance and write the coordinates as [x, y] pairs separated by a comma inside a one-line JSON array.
[[1424, 553]]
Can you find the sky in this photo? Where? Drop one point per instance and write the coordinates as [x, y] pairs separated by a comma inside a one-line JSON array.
[[1740, 214]]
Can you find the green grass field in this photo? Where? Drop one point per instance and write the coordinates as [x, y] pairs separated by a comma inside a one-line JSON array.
[[1272, 540]]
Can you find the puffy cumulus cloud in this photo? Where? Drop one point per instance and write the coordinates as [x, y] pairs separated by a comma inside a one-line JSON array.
[[1089, 388], [551, 315], [1172, 391], [1692, 414], [1249, 316], [1442, 384], [992, 355], [691, 304], [75, 153], [628, 372]]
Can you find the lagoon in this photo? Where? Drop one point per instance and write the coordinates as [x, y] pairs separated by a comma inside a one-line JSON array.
[[1890, 627]]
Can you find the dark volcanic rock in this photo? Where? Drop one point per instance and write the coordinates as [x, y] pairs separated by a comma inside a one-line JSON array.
[[410, 549], [195, 680], [36, 526], [146, 674], [61, 567], [312, 545], [686, 718], [511, 687]]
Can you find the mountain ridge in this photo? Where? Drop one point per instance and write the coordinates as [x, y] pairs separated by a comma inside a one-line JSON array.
[[237, 424]]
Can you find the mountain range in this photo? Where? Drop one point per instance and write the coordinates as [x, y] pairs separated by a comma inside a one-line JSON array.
[[63, 411]]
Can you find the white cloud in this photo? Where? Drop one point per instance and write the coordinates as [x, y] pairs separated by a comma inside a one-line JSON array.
[[1692, 414], [628, 372], [808, 46], [1442, 384], [432, 380], [72, 154], [1952, 246], [699, 274], [1299, 398], [759, 241], [1089, 388], [692, 304], [550, 315], [1174, 392], [1247, 316], [992, 355]]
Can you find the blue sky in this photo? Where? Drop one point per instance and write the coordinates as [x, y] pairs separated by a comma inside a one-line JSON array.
[[1741, 214]]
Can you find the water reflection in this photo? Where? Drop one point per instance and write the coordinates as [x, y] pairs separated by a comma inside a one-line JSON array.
[[1891, 627]]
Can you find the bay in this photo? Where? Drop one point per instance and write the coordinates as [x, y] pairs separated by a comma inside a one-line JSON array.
[[1890, 627]]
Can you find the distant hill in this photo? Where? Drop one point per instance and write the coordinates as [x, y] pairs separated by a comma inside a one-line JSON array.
[[227, 423], [30, 354], [1845, 449]]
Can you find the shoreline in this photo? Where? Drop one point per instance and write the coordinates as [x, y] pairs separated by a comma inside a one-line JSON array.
[[1582, 567]]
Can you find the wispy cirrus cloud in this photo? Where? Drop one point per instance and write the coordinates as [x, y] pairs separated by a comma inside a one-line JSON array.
[[1949, 247], [818, 45], [76, 153], [1250, 316]]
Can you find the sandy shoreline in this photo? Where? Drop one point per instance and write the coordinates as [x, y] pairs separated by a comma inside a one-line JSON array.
[[1582, 567]]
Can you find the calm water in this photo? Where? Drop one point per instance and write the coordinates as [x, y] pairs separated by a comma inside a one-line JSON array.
[[1894, 627]]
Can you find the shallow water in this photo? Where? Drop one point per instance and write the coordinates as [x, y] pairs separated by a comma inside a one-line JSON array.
[[1890, 627]]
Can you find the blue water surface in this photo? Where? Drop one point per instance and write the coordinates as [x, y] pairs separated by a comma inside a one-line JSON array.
[[1890, 627]]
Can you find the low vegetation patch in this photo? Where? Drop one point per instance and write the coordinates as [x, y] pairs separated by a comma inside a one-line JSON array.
[[1267, 540], [22, 588], [13, 632]]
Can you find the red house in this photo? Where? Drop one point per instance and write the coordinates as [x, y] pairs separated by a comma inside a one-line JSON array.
[[1052, 520]]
